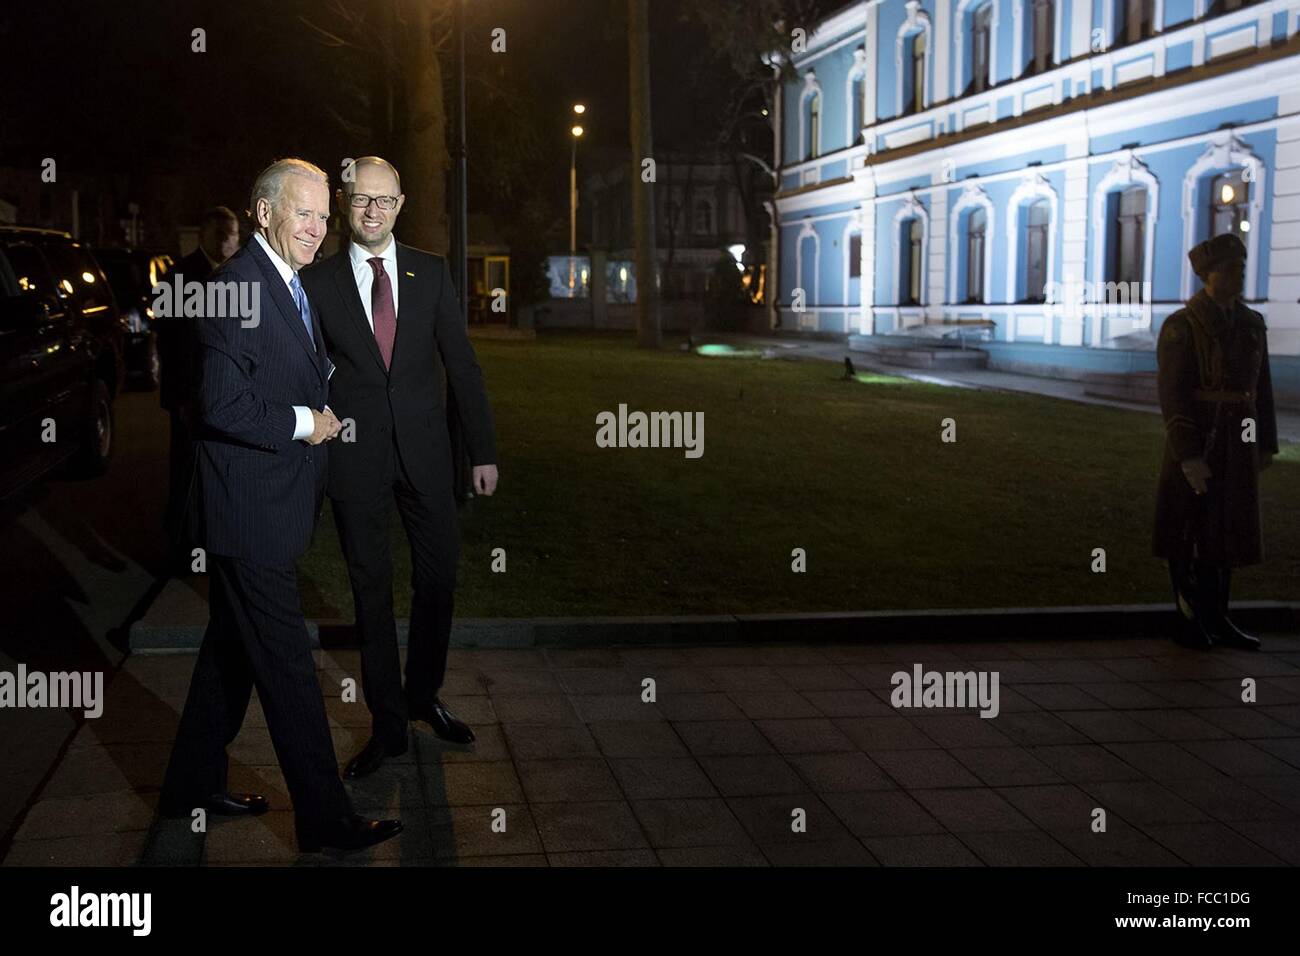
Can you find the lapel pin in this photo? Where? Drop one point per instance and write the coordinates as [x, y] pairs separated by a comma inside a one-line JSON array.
[[411, 274]]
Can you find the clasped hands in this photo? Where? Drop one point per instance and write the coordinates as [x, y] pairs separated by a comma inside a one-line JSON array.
[[324, 426]]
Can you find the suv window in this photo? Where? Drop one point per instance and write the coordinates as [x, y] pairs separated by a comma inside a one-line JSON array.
[[78, 277], [23, 271]]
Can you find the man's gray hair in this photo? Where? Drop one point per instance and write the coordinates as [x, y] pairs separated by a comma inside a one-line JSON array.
[[270, 181], [350, 172]]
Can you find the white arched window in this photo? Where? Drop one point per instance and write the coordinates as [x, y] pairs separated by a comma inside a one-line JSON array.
[[856, 97], [1031, 225], [810, 118], [1224, 154], [1112, 214], [912, 49], [1037, 36], [970, 259], [911, 240], [975, 45], [807, 262]]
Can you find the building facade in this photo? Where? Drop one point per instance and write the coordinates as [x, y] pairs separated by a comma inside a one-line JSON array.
[[1036, 170], [699, 211]]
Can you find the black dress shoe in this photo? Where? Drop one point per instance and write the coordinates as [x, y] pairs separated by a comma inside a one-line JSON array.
[[1227, 633], [444, 723], [222, 805], [347, 833], [370, 758]]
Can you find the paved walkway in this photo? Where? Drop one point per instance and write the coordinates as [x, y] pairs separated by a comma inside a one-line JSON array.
[[738, 740], [1288, 421]]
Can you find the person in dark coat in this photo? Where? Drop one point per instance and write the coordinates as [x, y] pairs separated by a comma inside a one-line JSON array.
[[1216, 395], [177, 357]]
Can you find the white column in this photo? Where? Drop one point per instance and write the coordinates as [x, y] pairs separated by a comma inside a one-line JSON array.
[[942, 89], [872, 45], [1080, 28], [1074, 238], [865, 181], [937, 268], [1284, 240]]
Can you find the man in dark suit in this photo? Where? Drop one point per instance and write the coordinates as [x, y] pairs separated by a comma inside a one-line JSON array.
[[177, 352], [390, 313], [260, 474]]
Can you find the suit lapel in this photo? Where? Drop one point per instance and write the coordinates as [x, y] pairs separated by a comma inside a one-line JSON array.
[[284, 302], [346, 284]]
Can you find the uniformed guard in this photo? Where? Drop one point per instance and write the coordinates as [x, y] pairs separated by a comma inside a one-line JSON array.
[[1216, 395]]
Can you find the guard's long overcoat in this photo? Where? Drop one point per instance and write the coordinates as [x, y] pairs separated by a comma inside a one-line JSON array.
[[1213, 374]]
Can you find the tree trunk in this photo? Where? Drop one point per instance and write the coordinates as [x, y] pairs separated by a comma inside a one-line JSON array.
[[643, 207], [421, 135]]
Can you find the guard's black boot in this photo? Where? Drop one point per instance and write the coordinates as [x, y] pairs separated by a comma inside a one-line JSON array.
[[1225, 632], [1189, 603]]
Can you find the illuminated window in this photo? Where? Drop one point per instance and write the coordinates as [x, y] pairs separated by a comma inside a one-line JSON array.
[[1229, 204]]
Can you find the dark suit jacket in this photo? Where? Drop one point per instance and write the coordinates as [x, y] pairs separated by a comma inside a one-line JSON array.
[[406, 402], [260, 491], [177, 340]]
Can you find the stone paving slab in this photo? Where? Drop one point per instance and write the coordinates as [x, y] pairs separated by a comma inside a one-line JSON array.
[[772, 755]]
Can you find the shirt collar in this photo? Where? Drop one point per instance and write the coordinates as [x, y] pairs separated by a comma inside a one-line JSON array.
[[282, 267], [361, 257]]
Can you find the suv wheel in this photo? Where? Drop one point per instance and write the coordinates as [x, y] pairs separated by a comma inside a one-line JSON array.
[[97, 434]]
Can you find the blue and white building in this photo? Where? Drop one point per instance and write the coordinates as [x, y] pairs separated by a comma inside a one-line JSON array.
[[1036, 170]]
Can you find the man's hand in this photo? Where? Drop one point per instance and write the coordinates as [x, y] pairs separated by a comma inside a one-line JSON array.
[[484, 479], [1198, 473], [326, 426]]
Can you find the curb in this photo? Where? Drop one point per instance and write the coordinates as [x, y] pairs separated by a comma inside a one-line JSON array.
[[966, 624]]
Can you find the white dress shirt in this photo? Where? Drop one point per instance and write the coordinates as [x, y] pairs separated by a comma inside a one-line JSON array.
[[304, 424], [364, 273]]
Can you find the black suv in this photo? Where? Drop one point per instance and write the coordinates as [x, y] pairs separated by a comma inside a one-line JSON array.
[[132, 274], [61, 361]]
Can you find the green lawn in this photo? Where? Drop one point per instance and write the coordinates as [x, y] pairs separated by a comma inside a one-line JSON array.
[[853, 472]]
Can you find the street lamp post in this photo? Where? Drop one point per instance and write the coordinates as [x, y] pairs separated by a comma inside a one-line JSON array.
[[576, 132]]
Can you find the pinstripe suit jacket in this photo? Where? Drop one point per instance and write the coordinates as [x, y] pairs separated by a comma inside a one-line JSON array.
[[259, 490]]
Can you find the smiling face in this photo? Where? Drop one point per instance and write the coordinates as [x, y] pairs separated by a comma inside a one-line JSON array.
[[295, 226], [371, 226]]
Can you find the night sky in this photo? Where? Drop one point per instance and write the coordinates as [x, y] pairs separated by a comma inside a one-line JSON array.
[[114, 87]]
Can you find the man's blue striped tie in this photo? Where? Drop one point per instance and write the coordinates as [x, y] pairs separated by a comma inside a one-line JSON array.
[[304, 310]]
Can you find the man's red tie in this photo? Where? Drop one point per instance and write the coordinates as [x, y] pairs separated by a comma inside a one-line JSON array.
[[382, 311]]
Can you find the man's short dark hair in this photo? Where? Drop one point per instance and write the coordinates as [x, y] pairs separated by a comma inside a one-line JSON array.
[[217, 214]]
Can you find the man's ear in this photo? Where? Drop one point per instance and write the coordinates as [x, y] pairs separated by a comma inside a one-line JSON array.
[[401, 201], [262, 214]]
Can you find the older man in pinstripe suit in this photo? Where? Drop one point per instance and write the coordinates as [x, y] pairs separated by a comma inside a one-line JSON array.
[[260, 478]]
